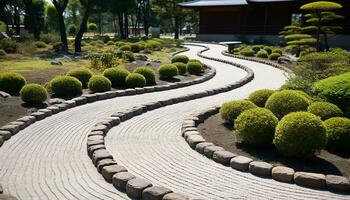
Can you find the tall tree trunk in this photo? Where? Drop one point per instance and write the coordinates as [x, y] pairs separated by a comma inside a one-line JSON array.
[[121, 25], [126, 25], [63, 31], [83, 27], [17, 21], [146, 17], [176, 27], [32, 22]]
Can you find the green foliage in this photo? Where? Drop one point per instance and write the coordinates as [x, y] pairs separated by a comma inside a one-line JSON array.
[[256, 126], [51, 18], [167, 71], [195, 60], [181, 67], [125, 47], [287, 101], [109, 43], [148, 73], [338, 133], [128, 56], [195, 68], [134, 80], [296, 39], [279, 51], [108, 60], [180, 58], [72, 30], [247, 52], [268, 49], [274, 56], [321, 6], [11, 83], [135, 48], [99, 83], [9, 45], [154, 45], [300, 135], [40, 44], [64, 86], [33, 94], [2, 53], [82, 74], [325, 110], [297, 83], [50, 38], [334, 89], [257, 48], [92, 27], [117, 76], [260, 97], [229, 111], [262, 54], [2, 26]]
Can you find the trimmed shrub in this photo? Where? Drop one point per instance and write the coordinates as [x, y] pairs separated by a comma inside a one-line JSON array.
[[256, 126], [148, 73], [11, 83], [257, 47], [229, 111], [99, 83], [125, 47], [260, 97], [181, 67], [134, 80], [135, 48], [195, 68], [167, 71], [247, 52], [268, 50], [9, 45], [338, 133], [129, 56], [325, 110], [66, 86], [279, 51], [40, 44], [262, 54], [109, 43], [180, 58], [33, 93], [334, 89], [286, 101], [154, 45], [82, 74], [300, 134], [274, 56], [117, 76], [2, 53], [195, 60]]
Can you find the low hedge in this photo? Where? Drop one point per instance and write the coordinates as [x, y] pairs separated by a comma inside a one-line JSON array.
[[134, 80], [195, 68], [148, 73], [256, 126], [12, 83], [229, 111], [99, 83], [66, 86], [167, 71], [181, 67], [33, 93], [117, 76], [260, 97], [325, 110], [300, 134], [180, 58], [338, 133], [82, 74]]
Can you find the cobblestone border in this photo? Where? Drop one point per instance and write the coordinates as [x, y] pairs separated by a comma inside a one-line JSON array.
[[195, 140]]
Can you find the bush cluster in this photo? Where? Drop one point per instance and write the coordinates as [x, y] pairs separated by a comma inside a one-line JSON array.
[[125, 47], [180, 58], [167, 71], [260, 97], [338, 133], [229, 111], [99, 83], [33, 94], [181, 67], [148, 73], [195, 68], [274, 56], [324, 110], [247, 52], [82, 74], [66, 86], [262, 54], [11, 83], [268, 49], [117, 76], [134, 80]]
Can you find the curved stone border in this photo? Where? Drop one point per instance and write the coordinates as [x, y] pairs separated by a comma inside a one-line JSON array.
[[263, 169]]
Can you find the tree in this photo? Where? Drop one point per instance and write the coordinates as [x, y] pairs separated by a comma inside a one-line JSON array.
[[88, 5], [319, 15], [121, 8], [52, 18], [60, 6], [34, 16], [73, 9]]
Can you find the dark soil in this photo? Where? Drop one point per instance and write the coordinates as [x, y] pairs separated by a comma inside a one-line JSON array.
[[215, 130]]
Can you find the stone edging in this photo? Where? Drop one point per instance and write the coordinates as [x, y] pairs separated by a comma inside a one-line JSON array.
[[263, 169], [12, 128]]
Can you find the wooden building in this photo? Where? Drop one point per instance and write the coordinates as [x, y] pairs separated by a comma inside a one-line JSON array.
[[222, 20]]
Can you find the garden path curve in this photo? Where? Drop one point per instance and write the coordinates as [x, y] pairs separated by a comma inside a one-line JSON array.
[[48, 160]]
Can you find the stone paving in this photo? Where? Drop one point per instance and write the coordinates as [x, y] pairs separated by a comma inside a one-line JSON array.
[[48, 160]]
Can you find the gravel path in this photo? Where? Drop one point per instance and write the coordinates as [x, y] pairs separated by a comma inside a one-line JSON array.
[[48, 160]]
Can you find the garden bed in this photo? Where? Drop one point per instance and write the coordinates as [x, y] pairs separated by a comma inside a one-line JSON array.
[[215, 130]]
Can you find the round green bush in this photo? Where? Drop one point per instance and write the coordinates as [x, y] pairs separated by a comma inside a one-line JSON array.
[[300, 134], [195, 68], [40, 44], [256, 126], [2, 53], [262, 54], [109, 43], [279, 51], [33, 93], [167, 71], [134, 80], [247, 52], [257, 48], [338, 133], [229, 111], [274, 56], [82, 74], [99, 83], [66, 86], [325, 110], [11, 83], [117, 76], [260, 97], [180, 58], [268, 50], [181, 67], [148, 73], [195, 60], [286, 101], [135, 48], [125, 47]]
